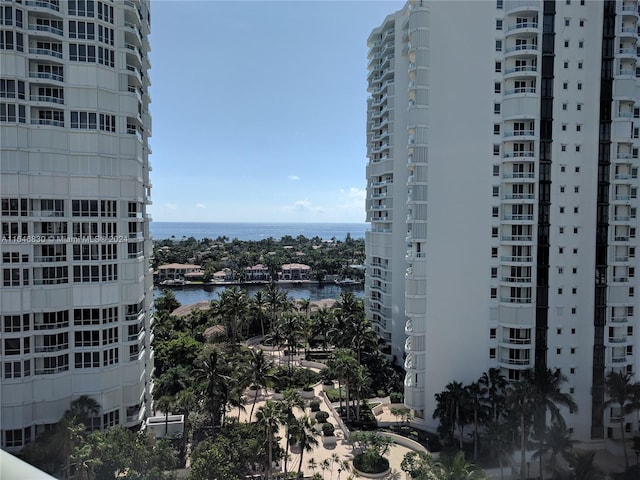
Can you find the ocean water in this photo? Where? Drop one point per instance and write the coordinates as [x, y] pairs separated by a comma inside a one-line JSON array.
[[256, 231]]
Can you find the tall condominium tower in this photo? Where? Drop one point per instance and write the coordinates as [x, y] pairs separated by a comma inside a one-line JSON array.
[[74, 188], [503, 141]]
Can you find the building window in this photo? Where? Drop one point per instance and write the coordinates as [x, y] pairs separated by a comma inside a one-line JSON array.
[[577, 149], [574, 270], [496, 170], [577, 168], [561, 230], [496, 149], [498, 45], [566, 64], [492, 333], [562, 188], [564, 106], [496, 129], [575, 251], [573, 350], [82, 30], [576, 209], [495, 191], [498, 67], [497, 87], [567, 21], [560, 250], [572, 370], [494, 292], [494, 272], [84, 120], [494, 252], [579, 85], [573, 312], [560, 291], [558, 351], [580, 65], [492, 353], [564, 127], [581, 44], [566, 44], [565, 85], [561, 209], [563, 148], [579, 107], [574, 291], [578, 128], [496, 108], [498, 24]]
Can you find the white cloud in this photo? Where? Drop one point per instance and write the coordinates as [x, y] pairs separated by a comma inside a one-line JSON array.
[[293, 178], [200, 205], [171, 206]]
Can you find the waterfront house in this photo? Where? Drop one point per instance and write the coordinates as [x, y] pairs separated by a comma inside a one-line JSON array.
[[177, 271], [295, 271], [257, 273]]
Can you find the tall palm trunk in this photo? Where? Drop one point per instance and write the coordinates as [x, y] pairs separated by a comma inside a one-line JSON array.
[[523, 439]]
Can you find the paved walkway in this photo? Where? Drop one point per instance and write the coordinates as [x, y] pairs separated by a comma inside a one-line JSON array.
[[332, 462]]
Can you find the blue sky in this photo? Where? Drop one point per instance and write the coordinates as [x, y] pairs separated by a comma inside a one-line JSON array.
[[259, 109]]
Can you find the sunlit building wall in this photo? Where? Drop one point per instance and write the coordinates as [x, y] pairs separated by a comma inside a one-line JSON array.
[[512, 138], [74, 187]]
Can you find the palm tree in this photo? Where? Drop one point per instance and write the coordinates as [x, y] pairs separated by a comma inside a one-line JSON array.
[[84, 408], [621, 392], [322, 323], [260, 369], [498, 442], [520, 399], [476, 405], [306, 436], [457, 468], [342, 366], [291, 399], [232, 307], [213, 376], [557, 441], [493, 384], [582, 468], [452, 407], [269, 416], [259, 302], [165, 403]]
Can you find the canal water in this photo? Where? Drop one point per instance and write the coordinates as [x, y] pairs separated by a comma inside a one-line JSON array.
[[189, 294]]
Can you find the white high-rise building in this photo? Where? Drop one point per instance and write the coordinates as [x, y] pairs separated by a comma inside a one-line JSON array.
[[503, 141], [74, 188]]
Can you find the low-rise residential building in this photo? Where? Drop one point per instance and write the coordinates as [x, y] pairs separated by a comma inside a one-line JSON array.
[[295, 271], [257, 273], [176, 271]]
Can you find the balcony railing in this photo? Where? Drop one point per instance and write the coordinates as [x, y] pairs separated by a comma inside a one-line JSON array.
[[627, 51], [529, 153], [518, 26], [518, 216], [46, 98], [517, 259], [617, 339], [517, 279], [45, 51], [519, 133], [43, 4], [619, 319], [51, 348], [50, 326], [523, 47], [525, 68], [518, 175], [516, 361], [517, 341], [46, 28], [47, 76], [51, 371], [517, 238], [519, 196], [514, 91], [46, 121], [515, 299]]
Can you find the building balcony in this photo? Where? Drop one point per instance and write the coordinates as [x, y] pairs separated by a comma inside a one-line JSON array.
[[521, 50], [616, 360], [44, 98], [517, 300], [518, 27], [516, 279], [46, 76], [519, 91], [518, 259], [518, 362], [516, 341], [519, 217], [520, 133], [624, 319], [48, 122], [618, 339], [45, 51], [517, 238], [519, 196], [46, 29], [527, 71], [628, 53], [49, 5]]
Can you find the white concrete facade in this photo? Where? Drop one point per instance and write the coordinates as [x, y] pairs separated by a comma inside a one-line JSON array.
[[74, 188], [505, 196]]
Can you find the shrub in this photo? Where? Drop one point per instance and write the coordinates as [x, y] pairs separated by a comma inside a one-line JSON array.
[[328, 429], [314, 405], [322, 417], [396, 397], [370, 462], [333, 395]]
